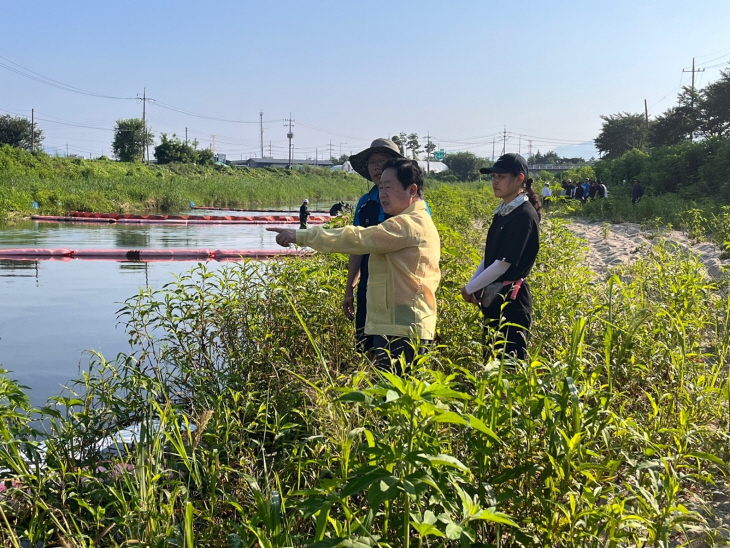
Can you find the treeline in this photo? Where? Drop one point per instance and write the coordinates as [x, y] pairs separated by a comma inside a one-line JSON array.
[[694, 170], [58, 185], [698, 114]]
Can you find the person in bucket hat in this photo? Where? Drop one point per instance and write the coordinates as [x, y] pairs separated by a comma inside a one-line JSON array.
[[498, 285], [368, 212]]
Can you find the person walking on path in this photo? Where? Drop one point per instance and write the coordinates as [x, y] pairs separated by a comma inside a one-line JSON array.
[[404, 252], [304, 214], [498, 285]]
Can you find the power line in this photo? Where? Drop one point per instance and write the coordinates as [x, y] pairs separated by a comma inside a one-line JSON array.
[[55, 83], [205, 116]]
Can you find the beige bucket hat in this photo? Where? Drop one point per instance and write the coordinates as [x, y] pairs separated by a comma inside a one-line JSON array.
[[359, 161]]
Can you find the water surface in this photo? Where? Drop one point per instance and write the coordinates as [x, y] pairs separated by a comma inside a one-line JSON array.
[[53, 312]]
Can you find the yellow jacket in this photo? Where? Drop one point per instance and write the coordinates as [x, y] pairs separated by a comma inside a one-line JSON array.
[[404, 269]]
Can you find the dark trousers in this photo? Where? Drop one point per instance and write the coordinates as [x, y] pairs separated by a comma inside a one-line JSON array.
[[389, 348], [508, 324]]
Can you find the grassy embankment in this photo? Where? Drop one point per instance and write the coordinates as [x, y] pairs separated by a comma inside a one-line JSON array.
[[60, 185], [612, 434]]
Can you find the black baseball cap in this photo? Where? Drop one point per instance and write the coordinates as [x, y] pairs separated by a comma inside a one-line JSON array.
[[508, 163]]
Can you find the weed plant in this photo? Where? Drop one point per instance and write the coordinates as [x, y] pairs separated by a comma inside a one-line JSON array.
[[611, 434]]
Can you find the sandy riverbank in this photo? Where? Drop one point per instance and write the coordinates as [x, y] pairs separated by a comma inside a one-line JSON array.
[[615, 244]]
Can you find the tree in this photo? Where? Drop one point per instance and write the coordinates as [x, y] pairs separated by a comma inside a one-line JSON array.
[[620, 133], [413, 145], [465, 165], [429, 148], [339, 161], [131, 136], [18, 132], [176, 150], [550, 157], [400, 141], [679, 123], [716, 106], [205, 157], [670, 128]]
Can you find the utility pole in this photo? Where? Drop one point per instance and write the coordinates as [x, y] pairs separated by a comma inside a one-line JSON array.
[[330, 148], [212, 143], [316, 156], [691, 135], [144, 123], [493, 141], [144, 100], [186, 136], [519, 146], [32, 130], [290, 136], [270, 154], [428, 153], [261, 124], [504, 140], [529, 154], [646, 113]]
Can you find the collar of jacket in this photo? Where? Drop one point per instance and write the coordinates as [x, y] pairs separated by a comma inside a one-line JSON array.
[[505, 209]]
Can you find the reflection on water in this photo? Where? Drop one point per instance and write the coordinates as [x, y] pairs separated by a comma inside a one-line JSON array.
[[18, 269], [132, 239], [53, 311]]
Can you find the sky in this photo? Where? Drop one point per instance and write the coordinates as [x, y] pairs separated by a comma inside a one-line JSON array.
[[475, 76]]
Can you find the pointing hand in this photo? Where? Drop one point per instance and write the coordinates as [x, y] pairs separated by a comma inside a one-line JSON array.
[[284, 236]]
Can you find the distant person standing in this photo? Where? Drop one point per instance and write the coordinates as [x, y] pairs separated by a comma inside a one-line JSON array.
[[602, 190], [304, 214], [637, 192], [578, 192], [546, 195]]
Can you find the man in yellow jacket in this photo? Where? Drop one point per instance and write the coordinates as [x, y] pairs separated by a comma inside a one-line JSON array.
[[404, 263]]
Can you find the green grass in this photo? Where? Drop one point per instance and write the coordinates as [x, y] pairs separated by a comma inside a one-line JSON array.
[[59, 185], [612, 434]]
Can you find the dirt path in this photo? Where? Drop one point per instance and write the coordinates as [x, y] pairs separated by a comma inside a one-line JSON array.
[[622, 243]]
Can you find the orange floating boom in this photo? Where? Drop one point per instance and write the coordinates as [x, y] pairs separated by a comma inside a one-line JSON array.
[[148, 254]]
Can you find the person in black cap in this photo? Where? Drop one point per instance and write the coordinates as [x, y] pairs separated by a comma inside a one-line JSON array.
[[336, 209], [512, 244]]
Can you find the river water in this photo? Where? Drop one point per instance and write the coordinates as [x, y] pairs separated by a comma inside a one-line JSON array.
[[53, 312]]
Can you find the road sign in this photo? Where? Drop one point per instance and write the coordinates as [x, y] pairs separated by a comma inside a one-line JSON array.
[[439, 155]]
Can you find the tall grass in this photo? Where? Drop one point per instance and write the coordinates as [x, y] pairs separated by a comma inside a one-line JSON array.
[[613, 433], [59, 185]]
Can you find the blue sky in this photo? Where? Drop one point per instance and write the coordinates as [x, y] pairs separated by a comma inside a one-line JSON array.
[[349, 72]]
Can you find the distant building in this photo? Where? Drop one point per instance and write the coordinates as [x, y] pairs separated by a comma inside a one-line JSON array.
[[279, 162]]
